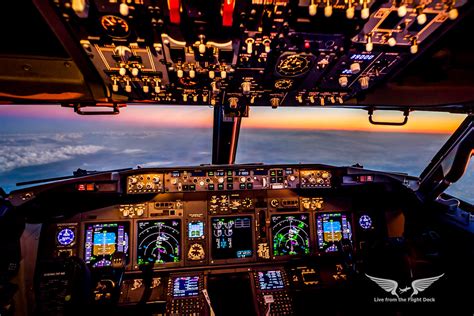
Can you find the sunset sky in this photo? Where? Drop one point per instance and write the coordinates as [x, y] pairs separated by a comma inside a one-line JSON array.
[[282, 118]]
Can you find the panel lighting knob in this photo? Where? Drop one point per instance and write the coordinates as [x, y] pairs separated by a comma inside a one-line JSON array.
[[140, 185], [180, 73], [312, 9], [402, 11], [135, 71], [223, 74], [292, 178], [212, 74], [133, 180], [246, 87], [365, 13], [192, 73], [156, 180], [328, 10], [185, 97], [414, 46], [157, 88], [204, 98], [453, 14], [421, 19], [128, 87], [115, 86], [299, 98], [274, 102], [122, 71], [139, 211], [355, 68], [201, 183], [243, 179], [124, 9], [392, 41], [343, 81], [146, 89], [202, 48], [364, 82], [350, 12], [220, 180], [195, 97], [79, 6]]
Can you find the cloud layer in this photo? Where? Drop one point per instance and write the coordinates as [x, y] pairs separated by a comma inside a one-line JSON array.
[[34, 156]]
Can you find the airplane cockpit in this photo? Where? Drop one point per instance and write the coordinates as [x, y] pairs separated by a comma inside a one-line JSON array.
[[283, 237]]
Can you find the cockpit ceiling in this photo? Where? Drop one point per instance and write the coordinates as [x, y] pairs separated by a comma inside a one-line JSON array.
[[250, 54]]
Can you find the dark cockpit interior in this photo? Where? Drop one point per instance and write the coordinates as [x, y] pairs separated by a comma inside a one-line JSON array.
[[241, 239]]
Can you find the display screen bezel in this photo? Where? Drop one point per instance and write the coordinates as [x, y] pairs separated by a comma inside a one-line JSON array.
[[310, 234], [232, 260], [128, 226], [160, 219], [349, 219]]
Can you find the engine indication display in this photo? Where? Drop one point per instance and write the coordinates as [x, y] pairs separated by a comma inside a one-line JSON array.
[[102, 240], [291, 235], [232, 237], [331, 228], [159, 241]]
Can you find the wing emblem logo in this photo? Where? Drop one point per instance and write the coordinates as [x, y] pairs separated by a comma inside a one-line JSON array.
[[417, 286]]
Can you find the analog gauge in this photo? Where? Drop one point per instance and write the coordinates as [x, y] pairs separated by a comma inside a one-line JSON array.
[[283, 84], [187, 82], [247, 203], [293, 65], [115, 26], [65, 237], [196, 252], [365, 222]]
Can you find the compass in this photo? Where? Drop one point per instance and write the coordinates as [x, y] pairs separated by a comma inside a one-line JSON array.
[[294, 65]]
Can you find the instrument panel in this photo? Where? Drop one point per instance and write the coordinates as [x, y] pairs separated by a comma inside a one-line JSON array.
[[169, 244]]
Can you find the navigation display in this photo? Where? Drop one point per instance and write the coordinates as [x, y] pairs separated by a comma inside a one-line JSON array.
[[158, 241], [331, 228], [232, 237], [102, 240], [270, 280], [187, 286], [291, 235]]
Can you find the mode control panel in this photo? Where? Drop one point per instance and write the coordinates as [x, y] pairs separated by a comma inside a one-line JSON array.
[[145, 183]]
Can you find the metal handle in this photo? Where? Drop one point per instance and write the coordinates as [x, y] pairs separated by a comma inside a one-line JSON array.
[[406, 113]]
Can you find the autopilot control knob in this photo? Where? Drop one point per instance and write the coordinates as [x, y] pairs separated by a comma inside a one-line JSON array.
[[220, 180], [343, 81], [355, 68], [242, 179], [79, 6], [274, 102], [246, 87], [133, 180], [233, 102], [156, 180], [364, 82]]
